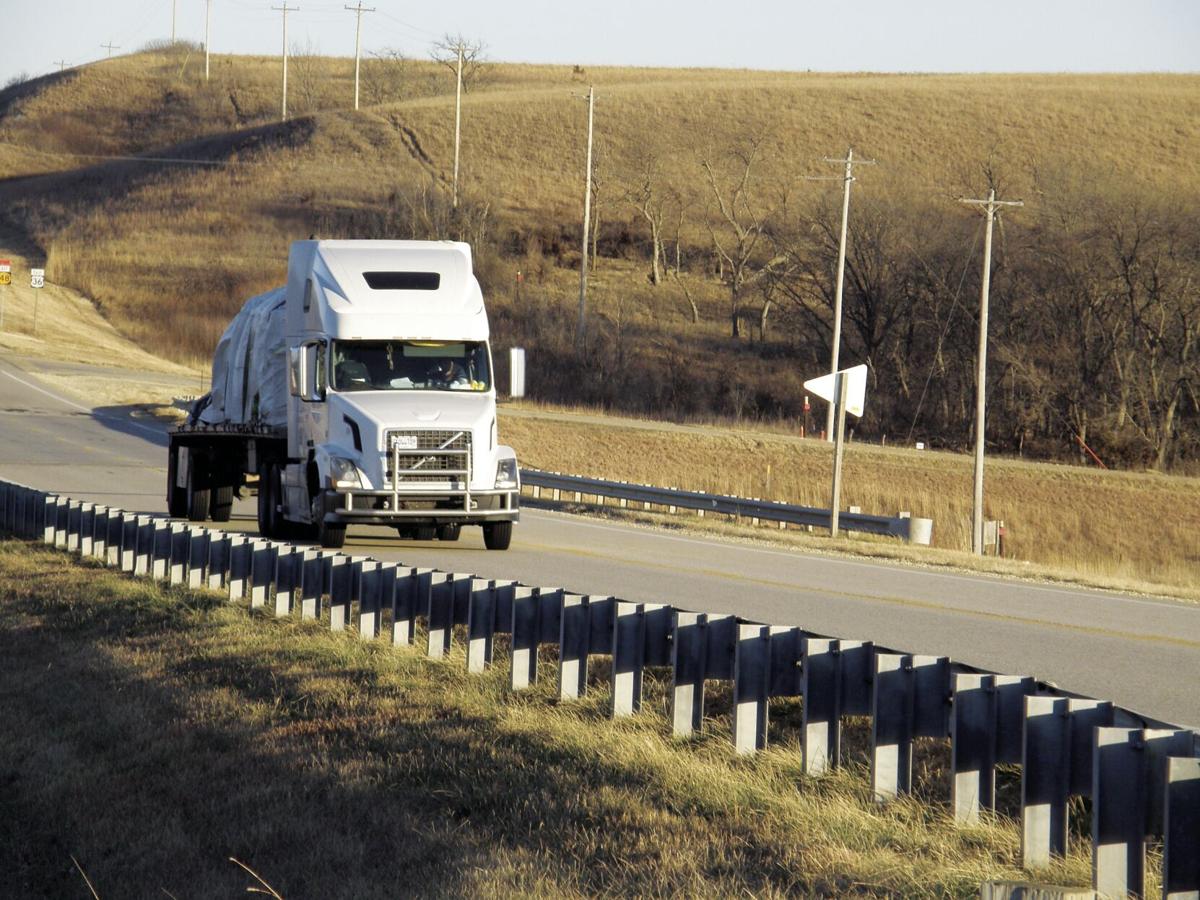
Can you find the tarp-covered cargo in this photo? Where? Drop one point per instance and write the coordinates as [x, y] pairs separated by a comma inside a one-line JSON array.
[[249, 377]]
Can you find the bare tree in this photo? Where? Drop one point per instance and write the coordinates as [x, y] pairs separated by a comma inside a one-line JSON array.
[[384, 75], [648, 198], [474, 60], [304, 65], [737, 226]]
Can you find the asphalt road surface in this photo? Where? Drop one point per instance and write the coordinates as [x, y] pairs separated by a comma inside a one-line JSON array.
[[1142, 653]]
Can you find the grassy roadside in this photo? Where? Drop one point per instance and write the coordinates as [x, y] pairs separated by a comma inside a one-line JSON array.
[[1129, 531], [152, 734]]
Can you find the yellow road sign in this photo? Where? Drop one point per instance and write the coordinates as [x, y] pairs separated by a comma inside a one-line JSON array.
[[5, 278]]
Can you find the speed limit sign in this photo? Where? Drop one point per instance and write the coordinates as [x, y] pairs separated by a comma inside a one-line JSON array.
[[37, 278]]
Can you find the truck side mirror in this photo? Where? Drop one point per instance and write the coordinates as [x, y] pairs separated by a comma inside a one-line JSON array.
[[296, 371], [314, 371]]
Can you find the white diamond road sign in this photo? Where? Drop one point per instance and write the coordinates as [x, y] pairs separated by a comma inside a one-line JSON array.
[[856, 388]]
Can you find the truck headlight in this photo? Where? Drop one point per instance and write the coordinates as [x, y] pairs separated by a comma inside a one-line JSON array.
[[343, 473], [506, 474]]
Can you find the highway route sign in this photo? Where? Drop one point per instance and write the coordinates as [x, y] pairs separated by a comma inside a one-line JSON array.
[[5, 271], [856, 388], [37, 278]]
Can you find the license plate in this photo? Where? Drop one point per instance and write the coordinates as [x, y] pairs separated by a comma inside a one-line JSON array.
[[406, 441]]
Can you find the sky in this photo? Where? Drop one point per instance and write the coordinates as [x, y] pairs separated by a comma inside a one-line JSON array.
[[861, 35]]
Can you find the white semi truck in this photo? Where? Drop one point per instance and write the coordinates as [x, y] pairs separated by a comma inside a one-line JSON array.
[[362, 392]]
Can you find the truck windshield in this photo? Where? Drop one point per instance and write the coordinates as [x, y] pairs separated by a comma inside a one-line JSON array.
[[410, 366]]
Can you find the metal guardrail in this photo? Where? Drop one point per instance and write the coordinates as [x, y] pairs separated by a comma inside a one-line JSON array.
[[912, 530], [1141, 775]]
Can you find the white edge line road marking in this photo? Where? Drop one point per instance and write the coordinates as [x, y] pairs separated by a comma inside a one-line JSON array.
[[80, 407]]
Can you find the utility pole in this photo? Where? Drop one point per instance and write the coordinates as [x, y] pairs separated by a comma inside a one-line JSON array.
[[62, 65], [359, 9], [207, 33], [174, 3], [285, 9], [110, 46], [581, 332], [457, 118], [991, 204], [836, 345]]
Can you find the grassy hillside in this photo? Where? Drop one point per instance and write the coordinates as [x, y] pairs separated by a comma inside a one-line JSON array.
[[168, 251], [192, 733]]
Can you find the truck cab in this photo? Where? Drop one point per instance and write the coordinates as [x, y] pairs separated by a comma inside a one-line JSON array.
[[390, 397]]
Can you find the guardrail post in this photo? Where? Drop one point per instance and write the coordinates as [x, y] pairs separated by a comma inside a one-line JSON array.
[[217, 565], [181, 550], [263, 557], [481, 624], [241, 552], [147, 529], [287, 579], [1181, 830], [338, 578], [1056, 763], [6, 496], [127, 547], [87, 525], [787, 652], [410, 595], [973, 746], [536, 619], [370, 604], [312, 583], [821, 714], [751, 680], [21, 522], [114, 528], [688, 640], [1129, 780], [892, 726], [66, 531], [46, 518], [440, 616], [99, 538], [628, 643], [199, 544], [62, 521], [574, 631], [160, 555]]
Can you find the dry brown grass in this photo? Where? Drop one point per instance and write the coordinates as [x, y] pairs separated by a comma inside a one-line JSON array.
[[151, 735], [1118, 529]]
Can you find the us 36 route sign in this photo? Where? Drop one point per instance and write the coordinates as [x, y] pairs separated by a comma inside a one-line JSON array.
[[37, 278]]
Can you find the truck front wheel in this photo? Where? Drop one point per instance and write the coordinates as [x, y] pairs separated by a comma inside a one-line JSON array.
[[222, 502], [497, 535]]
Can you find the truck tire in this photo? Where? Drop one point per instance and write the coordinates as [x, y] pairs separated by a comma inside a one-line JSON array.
[[449, 532], [330, 536], [497, 535], [424, 533], [176, 496], [198, 494], [222, 503], [269, 520]]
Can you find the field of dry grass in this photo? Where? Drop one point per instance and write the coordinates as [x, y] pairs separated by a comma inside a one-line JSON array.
[[1125, 530], [148, 736]]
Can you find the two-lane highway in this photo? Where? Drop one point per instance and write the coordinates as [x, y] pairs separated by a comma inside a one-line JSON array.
[[1141, 652]]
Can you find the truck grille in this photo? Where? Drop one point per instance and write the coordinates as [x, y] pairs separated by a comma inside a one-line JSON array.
[[448, 458]]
